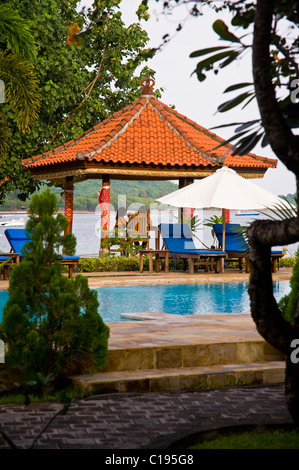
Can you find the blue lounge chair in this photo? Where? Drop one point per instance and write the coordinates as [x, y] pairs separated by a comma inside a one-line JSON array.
[[237, 247], [177, 239], [17, 238]]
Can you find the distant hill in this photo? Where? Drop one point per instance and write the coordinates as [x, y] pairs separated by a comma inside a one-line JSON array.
[[291, 198], [86, 197]]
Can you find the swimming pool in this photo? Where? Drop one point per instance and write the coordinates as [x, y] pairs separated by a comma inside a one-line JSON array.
[[179, 299]]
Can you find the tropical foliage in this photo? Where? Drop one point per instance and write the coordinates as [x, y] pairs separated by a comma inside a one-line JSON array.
[[214, 219], [86, 63], [288, 303], [21, 95]]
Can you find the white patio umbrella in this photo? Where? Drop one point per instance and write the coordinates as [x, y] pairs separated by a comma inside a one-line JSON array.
[[224, 189]]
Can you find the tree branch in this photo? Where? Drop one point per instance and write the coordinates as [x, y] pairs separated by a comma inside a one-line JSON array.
[[4, 180], [283, 142], [264, 234], [267, 233], [264, 309], [91, 84]]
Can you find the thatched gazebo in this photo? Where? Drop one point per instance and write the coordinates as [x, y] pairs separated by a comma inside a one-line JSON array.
[[146, 140]]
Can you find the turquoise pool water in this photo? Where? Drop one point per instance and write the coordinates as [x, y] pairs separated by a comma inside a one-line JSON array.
[[180, 299]]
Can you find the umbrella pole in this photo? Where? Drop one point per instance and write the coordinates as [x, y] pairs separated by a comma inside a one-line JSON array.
[[223, 237], [223, 228]]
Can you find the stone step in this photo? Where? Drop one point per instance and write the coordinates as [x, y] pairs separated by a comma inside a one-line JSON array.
[[174, 379], [181, 356]]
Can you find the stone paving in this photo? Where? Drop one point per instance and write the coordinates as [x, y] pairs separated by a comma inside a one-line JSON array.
[[104, 279], [142, 421]]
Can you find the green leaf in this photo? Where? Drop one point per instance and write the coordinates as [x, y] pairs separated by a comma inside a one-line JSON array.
[[222, 30], [208, 63], [230, 59], [21, 88], [246, 125], [206, 51], [15, 31], [233, 102], [215, 58], [228, 141], [264, 142], [237, 86], [227, 125], [249, 101], [247, 144]]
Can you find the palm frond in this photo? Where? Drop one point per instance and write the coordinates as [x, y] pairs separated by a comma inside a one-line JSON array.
[[21, 89], [282, 211], [15, 30], [4, 136], [241, 236]]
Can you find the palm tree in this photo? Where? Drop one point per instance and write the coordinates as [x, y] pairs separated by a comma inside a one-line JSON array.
[[22, 96]]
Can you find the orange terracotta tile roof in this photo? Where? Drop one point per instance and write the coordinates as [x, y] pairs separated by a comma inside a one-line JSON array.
[[148, 132]]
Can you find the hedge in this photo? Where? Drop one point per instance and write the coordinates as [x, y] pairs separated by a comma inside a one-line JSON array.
[[121, 263], [287, 262], [107, 264], [117, 264]]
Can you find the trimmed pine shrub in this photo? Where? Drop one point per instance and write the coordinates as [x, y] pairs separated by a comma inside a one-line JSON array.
[[51, 324]]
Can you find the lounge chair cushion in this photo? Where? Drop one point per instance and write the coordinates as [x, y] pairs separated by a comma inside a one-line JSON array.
[[234, 239], [178, 239], [17, 238]]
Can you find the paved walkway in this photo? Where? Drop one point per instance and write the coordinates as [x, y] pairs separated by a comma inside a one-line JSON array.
[[142, 421], [105, 279]]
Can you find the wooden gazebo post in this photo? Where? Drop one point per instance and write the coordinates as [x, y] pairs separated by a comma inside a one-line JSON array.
[[182, 183], [68, 202], [189, 210], [104, 201]]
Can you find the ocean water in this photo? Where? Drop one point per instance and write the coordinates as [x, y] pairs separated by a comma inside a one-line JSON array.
[[86, 228]]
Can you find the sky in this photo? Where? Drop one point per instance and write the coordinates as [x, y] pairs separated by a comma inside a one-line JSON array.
[[181, 88]]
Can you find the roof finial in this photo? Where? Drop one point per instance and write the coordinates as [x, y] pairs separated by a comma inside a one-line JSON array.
[[147, 86]]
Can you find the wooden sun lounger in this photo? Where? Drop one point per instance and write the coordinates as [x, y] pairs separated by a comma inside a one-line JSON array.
[[8, 259], [17, 239], [237, 248], [177, 239]]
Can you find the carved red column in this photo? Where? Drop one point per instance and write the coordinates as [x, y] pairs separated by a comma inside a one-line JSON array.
[[104, 202], [68, 203]]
